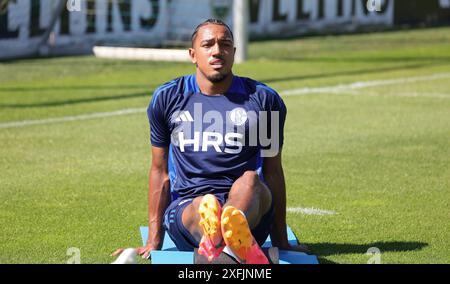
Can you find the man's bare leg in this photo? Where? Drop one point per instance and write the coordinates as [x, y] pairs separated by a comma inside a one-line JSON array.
[[248, 202], [251, 196], [191, 219], [247, 194]]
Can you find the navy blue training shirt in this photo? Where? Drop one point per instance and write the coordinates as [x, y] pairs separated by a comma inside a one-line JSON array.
[[213, 140]]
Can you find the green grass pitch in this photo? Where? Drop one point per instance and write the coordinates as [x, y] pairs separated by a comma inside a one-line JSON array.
[[378, 156]]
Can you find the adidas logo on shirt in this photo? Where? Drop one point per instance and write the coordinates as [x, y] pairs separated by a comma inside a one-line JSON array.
[[184, 116]]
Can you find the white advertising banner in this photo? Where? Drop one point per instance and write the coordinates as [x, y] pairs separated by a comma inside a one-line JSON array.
[[84, 23]]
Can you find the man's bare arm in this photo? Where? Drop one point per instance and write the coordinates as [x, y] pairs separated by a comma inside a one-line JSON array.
[[158, 196], [274, 176], [158, 200]]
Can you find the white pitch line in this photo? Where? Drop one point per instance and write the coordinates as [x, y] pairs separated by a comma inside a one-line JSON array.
[[14, 124], [363, 84], [293, 92], [409, 94], [310, 211]]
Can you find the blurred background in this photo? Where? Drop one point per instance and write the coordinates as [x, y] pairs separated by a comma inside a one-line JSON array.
[[366, 153], [31, 27]]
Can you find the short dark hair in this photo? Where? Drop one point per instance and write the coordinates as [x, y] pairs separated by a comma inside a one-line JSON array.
[[212, 22]]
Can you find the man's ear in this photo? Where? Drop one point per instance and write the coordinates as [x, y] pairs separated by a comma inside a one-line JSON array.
[[192, 55]]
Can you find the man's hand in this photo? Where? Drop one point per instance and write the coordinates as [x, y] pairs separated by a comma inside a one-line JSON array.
[[297, 248], [142, 251], [145, 251]]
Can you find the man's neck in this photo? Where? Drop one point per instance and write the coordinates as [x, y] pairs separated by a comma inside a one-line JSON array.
[[209, 88]]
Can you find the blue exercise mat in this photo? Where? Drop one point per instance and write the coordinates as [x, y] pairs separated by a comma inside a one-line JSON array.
[[169, 254]]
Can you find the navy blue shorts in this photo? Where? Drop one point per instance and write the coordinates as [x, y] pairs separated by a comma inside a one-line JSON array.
[[184, 240]]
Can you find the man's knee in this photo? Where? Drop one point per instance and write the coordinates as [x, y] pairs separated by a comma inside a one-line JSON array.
[[251, 179], [253, 184]]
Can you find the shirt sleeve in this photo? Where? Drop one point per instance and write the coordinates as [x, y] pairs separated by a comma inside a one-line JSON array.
[[159, 128]]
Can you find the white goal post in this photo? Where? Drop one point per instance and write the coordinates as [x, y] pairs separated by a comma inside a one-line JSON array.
[[240, 29]]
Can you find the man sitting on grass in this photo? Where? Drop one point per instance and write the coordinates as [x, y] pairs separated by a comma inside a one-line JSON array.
[[216, 176]]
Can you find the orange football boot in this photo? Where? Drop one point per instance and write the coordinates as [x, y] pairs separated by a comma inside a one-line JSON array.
[[239, 239], [211, 244]]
